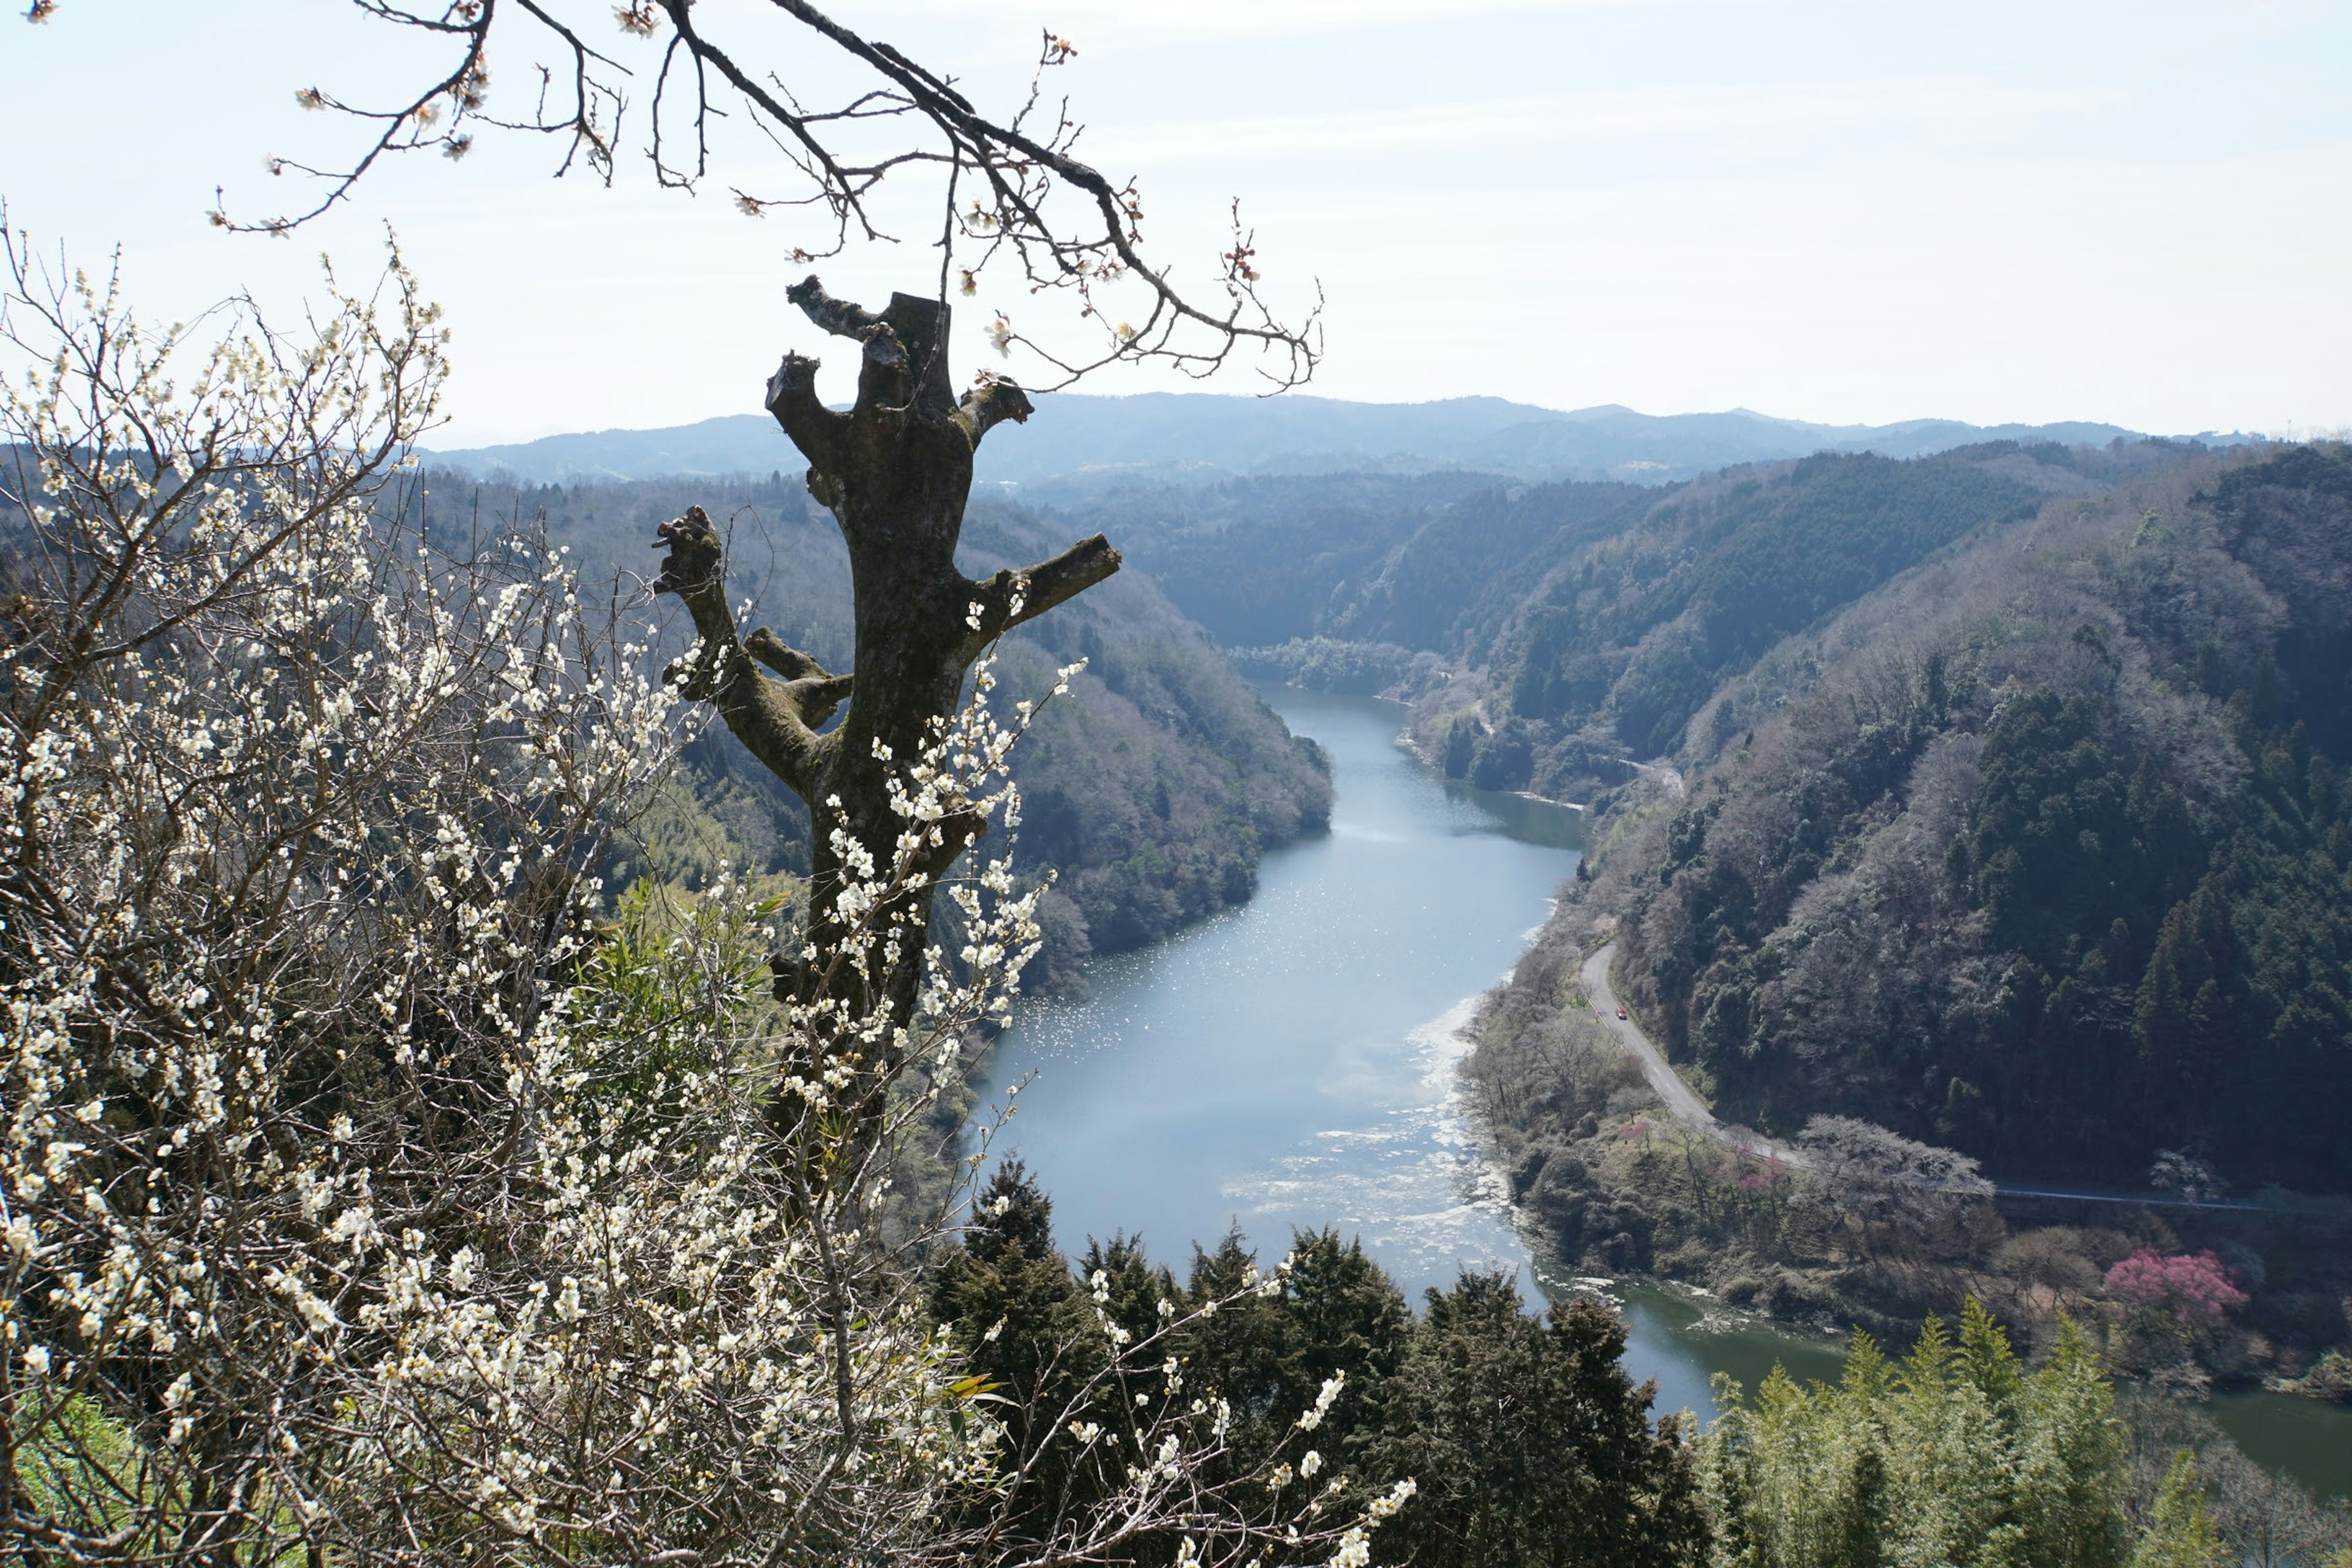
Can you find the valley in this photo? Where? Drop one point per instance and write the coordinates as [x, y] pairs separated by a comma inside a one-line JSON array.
[[1290, 784], [1264, 965]]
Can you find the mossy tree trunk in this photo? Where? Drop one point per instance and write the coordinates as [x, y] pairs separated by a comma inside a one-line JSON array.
[[894, 471]]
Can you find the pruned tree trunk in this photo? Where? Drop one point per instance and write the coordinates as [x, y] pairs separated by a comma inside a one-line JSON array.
[[894, 471]]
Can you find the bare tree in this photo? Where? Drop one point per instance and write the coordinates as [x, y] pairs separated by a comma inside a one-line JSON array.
[[1887, 1185]]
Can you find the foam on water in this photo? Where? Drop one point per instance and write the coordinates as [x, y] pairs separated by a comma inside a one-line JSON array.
[[1408, 1182]]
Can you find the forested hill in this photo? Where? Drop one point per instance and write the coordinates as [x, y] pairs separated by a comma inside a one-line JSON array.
[[1152, 788], [1602, 614], [2043, 850]]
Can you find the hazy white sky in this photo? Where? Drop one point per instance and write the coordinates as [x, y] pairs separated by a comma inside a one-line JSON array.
[[2139, 211]]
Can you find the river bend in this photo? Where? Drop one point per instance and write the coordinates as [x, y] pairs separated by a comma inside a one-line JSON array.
[[1290, 1064]]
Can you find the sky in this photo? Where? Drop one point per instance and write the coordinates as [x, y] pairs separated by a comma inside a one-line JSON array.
[[2068, 209]]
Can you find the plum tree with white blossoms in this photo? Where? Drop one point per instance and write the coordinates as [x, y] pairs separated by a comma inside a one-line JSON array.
[[860, 127], [370, 1192]]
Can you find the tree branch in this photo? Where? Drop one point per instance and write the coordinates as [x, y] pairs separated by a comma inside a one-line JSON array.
[[815, 429], [1037, 589], [785, 659], [776, 720], [1028, 198], [813, 691], [841, 318]]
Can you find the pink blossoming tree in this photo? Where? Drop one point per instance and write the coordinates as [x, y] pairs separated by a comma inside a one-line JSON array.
[[2193, 1286]]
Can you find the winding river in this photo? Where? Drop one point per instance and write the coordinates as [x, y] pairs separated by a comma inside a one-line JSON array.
[[1290, 1064]]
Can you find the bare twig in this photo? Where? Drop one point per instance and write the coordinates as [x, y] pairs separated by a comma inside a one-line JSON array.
[[1056, 221]]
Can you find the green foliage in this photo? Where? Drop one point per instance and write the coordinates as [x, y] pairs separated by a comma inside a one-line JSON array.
[[1956, 1455], [74, 1466], [2064, 835], [1526, 1439], [1530, 1443], [1458, 579]]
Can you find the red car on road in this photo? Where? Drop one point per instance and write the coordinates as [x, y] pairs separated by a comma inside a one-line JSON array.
[[1621, 1011]]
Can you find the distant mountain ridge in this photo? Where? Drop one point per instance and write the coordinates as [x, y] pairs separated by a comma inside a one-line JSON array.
[[1207, 436]]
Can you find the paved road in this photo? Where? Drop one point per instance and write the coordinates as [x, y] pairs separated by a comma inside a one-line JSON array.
[[1681, 1098], [1692, 1113]]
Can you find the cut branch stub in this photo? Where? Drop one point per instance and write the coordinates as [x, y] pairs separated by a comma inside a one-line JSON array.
[[988, 404], [791, 397]]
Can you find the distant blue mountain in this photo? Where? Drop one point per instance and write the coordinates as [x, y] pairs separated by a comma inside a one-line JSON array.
[[1202, 435]]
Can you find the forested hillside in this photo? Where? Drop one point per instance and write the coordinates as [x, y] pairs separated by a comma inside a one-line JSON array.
[[1593, 620], [1432, 562], [1152, 788], [2044, 851], [1262, 561], [1610, 653], [1639, 631]]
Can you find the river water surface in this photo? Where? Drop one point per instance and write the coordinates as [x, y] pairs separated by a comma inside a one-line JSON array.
[[1290, 1064]]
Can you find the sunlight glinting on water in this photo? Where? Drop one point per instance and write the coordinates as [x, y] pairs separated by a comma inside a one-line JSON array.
[[1290, 1064]]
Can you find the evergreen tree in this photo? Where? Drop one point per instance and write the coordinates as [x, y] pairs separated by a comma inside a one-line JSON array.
[[2070, 1473], [1026, 1330], [1339, 1315], [1529, 1443], [2180, 1535]]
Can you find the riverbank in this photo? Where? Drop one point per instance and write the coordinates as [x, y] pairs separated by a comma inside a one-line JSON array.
[[1296, 1063], [1614, 1173]]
